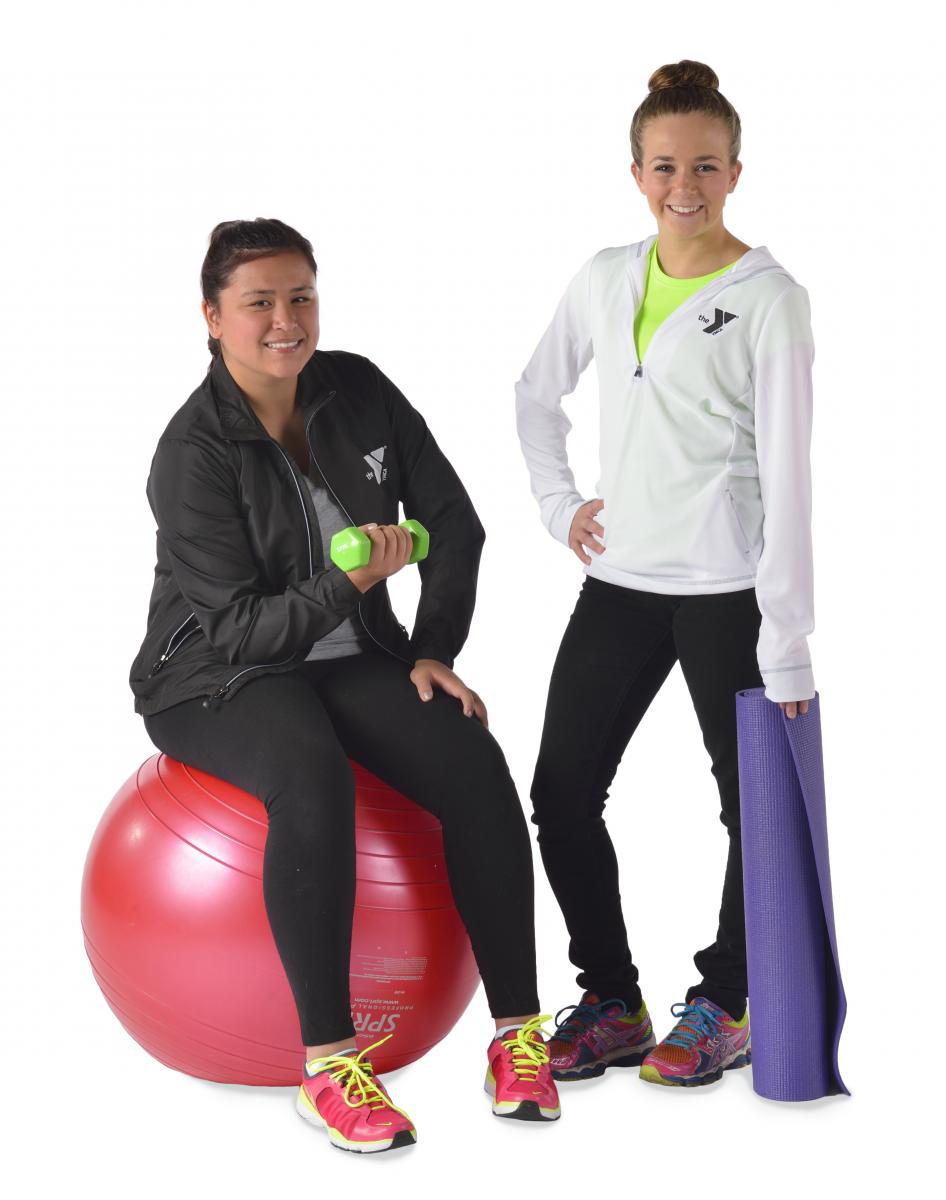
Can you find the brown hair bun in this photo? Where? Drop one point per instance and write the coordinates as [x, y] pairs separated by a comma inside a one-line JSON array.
[[685, 87], [685, 73]]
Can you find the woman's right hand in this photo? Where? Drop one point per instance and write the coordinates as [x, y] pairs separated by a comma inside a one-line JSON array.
[[391, 548], [586, 531]]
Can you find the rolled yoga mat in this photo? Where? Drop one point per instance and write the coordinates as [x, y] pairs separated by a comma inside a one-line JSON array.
[[796, 998]]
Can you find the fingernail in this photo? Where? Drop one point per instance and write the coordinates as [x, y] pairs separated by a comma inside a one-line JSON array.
[[427, 696]]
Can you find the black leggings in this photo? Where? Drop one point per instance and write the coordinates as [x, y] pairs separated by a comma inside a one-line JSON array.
[[617, 650], [287, 739]]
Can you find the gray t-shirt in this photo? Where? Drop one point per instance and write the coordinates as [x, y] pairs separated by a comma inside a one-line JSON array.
[[349, 637]]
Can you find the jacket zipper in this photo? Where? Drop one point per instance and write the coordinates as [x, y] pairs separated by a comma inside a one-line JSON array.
[[308, 528], [171, 649], [222, 691], [639, 370], [224, 688], [361, 616]]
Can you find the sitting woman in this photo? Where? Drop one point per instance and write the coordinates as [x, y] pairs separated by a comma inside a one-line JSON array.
[[267, 666]]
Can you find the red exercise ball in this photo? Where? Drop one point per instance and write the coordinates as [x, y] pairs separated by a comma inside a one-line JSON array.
[[176, 931]]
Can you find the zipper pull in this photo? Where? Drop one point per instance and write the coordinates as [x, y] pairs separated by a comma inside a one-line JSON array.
[[639, 373], [215, 697], [156, 667]]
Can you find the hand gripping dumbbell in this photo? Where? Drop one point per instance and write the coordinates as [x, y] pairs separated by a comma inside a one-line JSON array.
[[351, 548]]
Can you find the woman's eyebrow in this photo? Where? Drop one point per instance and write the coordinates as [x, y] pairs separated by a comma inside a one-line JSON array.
[[699, 158], [272, 292]]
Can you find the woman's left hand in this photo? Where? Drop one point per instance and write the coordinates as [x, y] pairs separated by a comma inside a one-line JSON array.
[[792, 707], [428, 673]]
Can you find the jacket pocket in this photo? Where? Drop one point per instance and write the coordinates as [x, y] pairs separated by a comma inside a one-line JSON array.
[[740, 532], [183, 631]]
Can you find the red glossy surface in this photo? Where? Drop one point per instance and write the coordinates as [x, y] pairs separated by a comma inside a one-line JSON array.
[[176, 931]]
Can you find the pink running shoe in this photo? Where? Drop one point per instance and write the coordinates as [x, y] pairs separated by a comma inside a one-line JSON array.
[[340, 1095], [595, 1036], [704, 1042], [518, 1076]]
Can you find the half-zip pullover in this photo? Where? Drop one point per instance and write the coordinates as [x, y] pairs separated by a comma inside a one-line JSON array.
[[704, 444]]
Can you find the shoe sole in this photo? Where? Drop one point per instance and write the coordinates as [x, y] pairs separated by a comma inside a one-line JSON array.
[[652, 1075], [525, 1110], [401, 1140], [597, 1068]]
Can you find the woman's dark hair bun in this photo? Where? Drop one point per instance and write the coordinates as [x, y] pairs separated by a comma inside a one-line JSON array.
[[685, 73]]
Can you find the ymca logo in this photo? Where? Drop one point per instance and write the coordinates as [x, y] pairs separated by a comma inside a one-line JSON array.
[[722, 318], [375, 460]]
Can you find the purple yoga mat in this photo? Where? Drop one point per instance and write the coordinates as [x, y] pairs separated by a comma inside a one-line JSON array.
[[796, 998]]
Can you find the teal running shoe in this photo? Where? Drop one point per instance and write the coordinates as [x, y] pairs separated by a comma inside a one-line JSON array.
[[596, 1035], [704, 1042]]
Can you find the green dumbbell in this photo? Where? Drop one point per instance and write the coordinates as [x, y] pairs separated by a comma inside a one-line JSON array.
[[351, 548]]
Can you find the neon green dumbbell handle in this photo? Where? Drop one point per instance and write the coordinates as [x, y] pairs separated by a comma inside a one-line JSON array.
[[351, 548]]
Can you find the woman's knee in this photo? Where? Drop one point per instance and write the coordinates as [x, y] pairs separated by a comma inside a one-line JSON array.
[[478, 784], [561, 801], [309, 795]]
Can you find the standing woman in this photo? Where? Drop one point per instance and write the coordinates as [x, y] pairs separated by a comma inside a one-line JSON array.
[[268, 666], [697, 549]]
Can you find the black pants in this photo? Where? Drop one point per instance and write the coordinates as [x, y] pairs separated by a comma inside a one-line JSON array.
[[618, 649], [287, 739]]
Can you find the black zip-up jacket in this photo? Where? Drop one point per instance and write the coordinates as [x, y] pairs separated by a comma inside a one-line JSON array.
[[240, 586]]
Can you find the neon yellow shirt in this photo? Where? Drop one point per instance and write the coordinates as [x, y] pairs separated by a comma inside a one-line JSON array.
[[662, 294]]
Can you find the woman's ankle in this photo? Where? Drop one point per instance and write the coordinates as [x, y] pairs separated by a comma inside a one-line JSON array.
[[329, 1048]]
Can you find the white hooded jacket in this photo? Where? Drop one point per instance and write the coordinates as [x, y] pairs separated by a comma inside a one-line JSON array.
[[704, 451]]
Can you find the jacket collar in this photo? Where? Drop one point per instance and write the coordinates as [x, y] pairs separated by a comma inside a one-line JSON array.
[[238, 421], [757, 261]]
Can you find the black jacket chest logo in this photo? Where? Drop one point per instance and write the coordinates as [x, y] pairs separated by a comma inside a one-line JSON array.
[[721, 318], [375, 460]]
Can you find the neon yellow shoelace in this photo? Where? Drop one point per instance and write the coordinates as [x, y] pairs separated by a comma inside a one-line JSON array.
[[357, 1074], [528, 1053]]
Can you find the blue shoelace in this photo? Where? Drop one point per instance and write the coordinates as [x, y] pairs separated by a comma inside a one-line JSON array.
[[693, 1022], [582, 1017]]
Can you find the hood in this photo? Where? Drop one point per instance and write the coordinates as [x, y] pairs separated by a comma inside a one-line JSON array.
[[755, 262]]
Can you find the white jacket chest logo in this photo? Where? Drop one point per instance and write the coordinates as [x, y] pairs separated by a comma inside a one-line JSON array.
[[375, 460], [721, 318]]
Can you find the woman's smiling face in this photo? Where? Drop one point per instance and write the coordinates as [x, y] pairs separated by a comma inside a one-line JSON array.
[[267, 317], [686, 174]]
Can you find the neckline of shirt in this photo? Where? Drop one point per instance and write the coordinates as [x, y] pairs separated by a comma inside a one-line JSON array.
[[662, 279]]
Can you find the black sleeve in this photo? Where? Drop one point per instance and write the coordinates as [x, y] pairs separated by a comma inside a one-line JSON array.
[[433, 494], [194, 496]]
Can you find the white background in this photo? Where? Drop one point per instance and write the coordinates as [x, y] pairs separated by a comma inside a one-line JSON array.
[[453, 166]]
